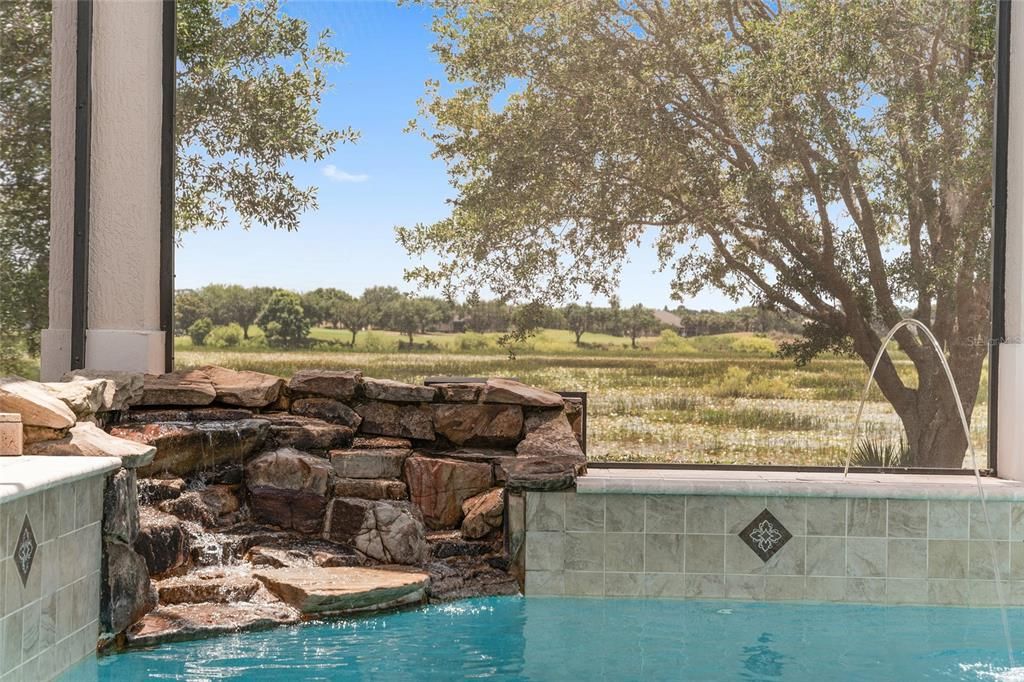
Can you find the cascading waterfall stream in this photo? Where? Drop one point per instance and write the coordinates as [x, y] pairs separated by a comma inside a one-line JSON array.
[[910, 322]]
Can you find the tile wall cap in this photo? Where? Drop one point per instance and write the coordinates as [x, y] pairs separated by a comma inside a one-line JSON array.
[[795, 484], [22, 476]]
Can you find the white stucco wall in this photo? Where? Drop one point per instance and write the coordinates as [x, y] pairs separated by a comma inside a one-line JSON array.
[[124, 258]]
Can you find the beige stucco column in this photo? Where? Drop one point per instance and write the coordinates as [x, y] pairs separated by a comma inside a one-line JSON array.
[[1010, 409], [123, 320]]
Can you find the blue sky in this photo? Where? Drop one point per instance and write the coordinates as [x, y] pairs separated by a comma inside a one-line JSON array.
[[386, 179]]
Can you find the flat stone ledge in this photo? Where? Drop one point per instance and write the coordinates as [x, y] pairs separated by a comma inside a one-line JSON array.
[[344, 589], [795, 484], [22, 476]]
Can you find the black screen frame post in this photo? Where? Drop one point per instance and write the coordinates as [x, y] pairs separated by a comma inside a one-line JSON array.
[[83, 183], [167, 170], [1000, 143]]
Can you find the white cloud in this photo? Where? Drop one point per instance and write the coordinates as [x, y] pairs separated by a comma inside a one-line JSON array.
[[338, 175]]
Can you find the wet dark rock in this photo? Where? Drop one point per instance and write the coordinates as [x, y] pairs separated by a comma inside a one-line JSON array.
[[340, 385], [121, 507], [328, 410], [396, 420], [126, 594], [228, 474], [198, 414], [389, 532], [468, 576], [450, 543], [212, 506], [297, 509], [154, 490], [185, 448], [162, 542], [307, 433], [288, 489]]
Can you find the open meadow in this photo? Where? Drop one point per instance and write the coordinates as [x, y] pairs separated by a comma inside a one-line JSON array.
[[722, 399]]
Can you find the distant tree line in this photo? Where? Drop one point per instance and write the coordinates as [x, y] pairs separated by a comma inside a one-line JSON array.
[[228, 312], [746, 319]]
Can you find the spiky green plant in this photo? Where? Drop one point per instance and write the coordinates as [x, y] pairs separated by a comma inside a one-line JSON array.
[[881, 452]]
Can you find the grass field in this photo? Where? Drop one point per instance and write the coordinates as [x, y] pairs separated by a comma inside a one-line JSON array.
[[719, 399]]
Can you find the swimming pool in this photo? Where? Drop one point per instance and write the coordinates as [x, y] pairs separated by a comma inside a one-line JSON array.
[[512, 638]]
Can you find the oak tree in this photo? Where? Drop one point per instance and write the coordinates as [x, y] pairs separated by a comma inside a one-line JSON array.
[[827, 158]]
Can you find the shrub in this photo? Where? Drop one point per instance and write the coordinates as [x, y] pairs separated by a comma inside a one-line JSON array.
[[739, 383], [198, 330], [732, 385], [754, 345], [473, 341], [225, 336], [769, 387], [374, 342], [669, 342], [283, 320]]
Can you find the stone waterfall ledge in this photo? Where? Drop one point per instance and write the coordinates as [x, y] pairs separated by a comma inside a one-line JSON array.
[[23, 476], [651, 481]]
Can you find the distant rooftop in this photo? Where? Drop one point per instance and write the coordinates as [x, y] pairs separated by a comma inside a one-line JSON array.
[[667, 318]]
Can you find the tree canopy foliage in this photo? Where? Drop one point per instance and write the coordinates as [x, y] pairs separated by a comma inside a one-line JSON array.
[[250, 83], [24, 177], [827, 158]]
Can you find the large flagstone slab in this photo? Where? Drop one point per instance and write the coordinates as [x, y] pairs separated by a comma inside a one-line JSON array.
[[344, 589]]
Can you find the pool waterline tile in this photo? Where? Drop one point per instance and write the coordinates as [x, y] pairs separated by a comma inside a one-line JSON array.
[[705, 515], [624, 552], [584, 513], [624, 513], [948, 519], [888, 555], [908, 519]]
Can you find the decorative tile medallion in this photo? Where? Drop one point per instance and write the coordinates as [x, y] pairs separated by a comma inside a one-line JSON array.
[[765, 535], [25, 551]]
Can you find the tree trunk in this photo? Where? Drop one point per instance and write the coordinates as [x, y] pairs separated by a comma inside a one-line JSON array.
[[353, 344], [935, 435], [578, 336], [632, 337]]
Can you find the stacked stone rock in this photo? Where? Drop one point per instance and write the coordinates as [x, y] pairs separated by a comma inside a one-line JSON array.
[[362, 461], [400, 473]]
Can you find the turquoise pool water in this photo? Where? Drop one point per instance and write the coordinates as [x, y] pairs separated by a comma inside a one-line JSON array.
[[581, 640]]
